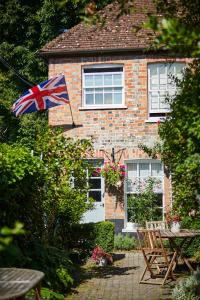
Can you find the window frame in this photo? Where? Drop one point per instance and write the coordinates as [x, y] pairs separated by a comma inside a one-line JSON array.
[[156, 114], [107, 67], [99, 164], [162, 192]]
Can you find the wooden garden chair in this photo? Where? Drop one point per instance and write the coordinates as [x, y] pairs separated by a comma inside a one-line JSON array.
[[159, 262], [157, 225]]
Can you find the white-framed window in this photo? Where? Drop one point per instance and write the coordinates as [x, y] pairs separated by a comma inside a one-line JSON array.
[[103, 86], [161, 84], [95, 181], [138, 172]]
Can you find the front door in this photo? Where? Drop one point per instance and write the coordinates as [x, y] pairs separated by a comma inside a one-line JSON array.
[[96, 191]]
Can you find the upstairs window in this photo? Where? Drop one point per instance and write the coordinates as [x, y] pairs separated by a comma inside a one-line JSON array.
[[103, 86], [161, 85]]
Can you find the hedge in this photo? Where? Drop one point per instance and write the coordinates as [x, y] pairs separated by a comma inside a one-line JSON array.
[[86, 236], [192, 223]]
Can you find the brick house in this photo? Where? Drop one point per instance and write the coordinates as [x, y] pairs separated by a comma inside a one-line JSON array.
[[117, 88]]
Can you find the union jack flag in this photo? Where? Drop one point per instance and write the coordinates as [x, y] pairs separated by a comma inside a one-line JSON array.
[[45, 95]]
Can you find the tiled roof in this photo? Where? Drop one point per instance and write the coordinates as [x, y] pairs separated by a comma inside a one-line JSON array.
[[116, 34]]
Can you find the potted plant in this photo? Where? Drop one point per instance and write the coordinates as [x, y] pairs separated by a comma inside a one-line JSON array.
[[142, 205], [173, 219], [101, 257]]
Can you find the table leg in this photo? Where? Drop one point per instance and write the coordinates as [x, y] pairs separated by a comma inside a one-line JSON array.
[[179, 249], [38, 292]]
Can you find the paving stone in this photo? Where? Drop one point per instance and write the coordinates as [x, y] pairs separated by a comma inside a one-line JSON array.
[[121, 282]]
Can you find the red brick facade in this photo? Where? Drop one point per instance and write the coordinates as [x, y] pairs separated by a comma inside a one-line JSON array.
[[110, 128]]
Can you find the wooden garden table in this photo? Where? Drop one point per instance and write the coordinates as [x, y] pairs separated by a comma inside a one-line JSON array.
[[187, 237], [15, 283]]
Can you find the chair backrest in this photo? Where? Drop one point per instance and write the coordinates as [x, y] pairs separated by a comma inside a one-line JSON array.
[[150, 240], [156, 225]]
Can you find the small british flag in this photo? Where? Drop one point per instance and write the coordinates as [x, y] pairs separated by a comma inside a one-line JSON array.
[[45, 95]]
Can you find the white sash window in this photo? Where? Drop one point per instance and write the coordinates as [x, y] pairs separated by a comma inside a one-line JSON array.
[[161, 84], [103, 86]]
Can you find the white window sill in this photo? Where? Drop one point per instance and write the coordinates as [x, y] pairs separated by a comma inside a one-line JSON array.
[[129, 230], [155, 120], [102, 107]]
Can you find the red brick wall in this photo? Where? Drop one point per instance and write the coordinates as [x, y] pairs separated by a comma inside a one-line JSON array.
[[108, 128]]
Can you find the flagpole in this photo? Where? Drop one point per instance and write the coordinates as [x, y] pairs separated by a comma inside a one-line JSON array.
[[73, 124]]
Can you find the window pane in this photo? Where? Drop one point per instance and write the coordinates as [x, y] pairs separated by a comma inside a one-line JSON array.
[[179, 67], [98, 98], [117, 90], [156, 169], [154, 84], [154, 101], [95, 183], [117, 98], [132, 170], [117, 79], [98, 80], [89, 91], [96, 195], [171, 69], [171, 82], [158, 214], [98, 90], [107, 98], [108, 90], [144, 170], [162, 77], [163, 102], [89, 99], [88, 80], [159, 200], [163, 70], [96, 173], [107, 79], [153, 70]]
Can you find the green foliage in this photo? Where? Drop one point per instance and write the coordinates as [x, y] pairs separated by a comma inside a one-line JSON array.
[[124, 242], [21, 179], [7, 234], [51, 295], [54, 262], [188, 289], [178, 29], [105, 235], [138, 203], [84, 237], [192, 223], [113, 173], [181, 141], [43, 197]]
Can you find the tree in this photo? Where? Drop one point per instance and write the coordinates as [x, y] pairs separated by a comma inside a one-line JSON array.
[[177, 26], [178, 31], [180, 138]]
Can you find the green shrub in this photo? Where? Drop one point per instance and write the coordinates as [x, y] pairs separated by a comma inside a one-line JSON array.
[[51, 295], [84, 237], [126, 242], [55, 264], [192, 223], [105, 235], [188, 289]]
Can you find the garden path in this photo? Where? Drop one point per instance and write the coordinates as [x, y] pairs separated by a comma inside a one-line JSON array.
[[119, 282]]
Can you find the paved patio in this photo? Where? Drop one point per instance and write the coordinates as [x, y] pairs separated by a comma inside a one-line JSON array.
[[119, 282]]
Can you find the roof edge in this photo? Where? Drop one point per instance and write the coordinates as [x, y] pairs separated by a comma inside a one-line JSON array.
[[114, 51]]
